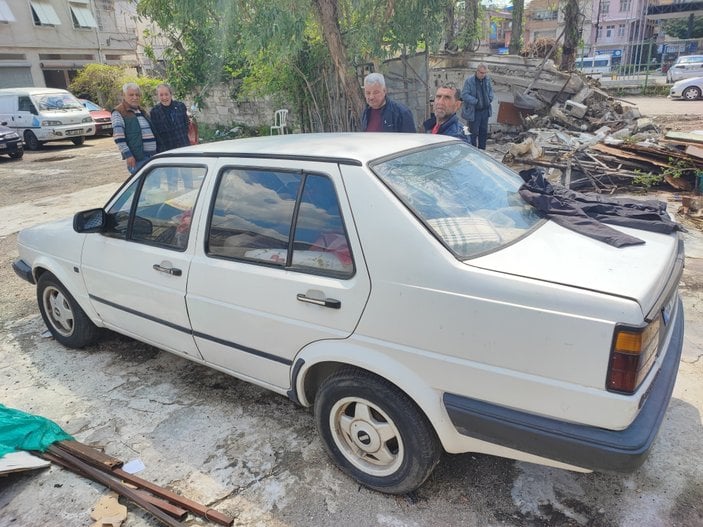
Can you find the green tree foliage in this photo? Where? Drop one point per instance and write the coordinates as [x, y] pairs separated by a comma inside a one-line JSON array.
[[100, 83], [687, 27], [308, 51]]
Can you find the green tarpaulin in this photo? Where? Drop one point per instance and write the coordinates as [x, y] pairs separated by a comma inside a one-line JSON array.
[[23, 431]]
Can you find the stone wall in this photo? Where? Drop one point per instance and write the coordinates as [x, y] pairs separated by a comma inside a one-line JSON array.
[[221, 108]]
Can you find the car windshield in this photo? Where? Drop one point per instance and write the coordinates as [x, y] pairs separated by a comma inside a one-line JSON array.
[[56, 101], [469, 201], [90, 106]]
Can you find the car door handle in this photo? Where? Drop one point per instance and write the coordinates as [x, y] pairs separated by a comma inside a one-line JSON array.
[[327, 302], [169, 270]]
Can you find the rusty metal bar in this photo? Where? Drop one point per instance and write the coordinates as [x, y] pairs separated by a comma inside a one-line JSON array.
[[84, 469]]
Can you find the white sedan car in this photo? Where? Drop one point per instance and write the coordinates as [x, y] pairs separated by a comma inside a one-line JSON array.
[[689, 89], [400, 284]]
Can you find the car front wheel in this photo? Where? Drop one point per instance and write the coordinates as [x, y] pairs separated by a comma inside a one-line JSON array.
[[17, 155], [65, 319], [691, 93], [78, 141], [375, 432]]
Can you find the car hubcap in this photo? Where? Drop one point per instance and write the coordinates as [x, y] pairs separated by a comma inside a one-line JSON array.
[[58, 311], [366, 436]]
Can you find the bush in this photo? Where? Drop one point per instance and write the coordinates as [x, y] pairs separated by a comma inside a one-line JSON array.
[[102, 84]]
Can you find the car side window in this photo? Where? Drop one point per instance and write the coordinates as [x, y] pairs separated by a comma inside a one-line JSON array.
[[257, 212], [24, 104], [165, 198]]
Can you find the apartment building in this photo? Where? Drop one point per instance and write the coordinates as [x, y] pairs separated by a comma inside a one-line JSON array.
[[45, 42]]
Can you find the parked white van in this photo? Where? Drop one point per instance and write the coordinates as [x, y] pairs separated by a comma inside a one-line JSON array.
[[45, 114], [596, 66]]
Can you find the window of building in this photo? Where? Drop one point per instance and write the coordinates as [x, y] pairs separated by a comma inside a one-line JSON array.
[[604, 7], [44, 14], [625, 5], [81, 14], [609, 30], [621, 30], [6, 13]]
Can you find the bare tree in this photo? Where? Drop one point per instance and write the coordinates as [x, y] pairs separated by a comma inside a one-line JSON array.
[[516, 36], [572, 34]]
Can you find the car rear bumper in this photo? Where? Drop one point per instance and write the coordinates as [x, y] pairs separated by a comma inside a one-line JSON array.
[[23, 270], [578, 445]]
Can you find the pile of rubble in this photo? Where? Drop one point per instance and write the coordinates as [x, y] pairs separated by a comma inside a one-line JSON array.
[[600, 143]]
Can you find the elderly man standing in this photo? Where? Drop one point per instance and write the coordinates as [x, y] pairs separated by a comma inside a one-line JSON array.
[[477, 96], [444, 119], [132, 130], [383, 114], [169, 120]]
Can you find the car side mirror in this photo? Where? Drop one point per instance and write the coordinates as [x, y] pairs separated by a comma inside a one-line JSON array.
[[87, 221]]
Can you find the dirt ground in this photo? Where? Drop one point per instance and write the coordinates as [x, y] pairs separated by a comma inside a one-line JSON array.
[[254, 455]]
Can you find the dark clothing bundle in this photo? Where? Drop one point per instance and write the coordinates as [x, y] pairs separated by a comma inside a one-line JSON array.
[[588, 213], [170, 125], [396, 118], [451, 127]]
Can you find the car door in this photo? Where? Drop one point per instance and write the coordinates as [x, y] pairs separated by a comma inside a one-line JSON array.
[[280, 267], [136, 271]]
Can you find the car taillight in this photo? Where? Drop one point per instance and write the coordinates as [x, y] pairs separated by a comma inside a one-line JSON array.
[[632, 356]]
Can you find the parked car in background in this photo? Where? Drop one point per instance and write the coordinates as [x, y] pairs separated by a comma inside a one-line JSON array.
[[101, 117], [689, 89], [40, 115], [10, 142], [685, 67], [404, 288]]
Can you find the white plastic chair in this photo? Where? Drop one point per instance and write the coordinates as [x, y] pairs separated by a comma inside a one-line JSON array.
[[279, 122]]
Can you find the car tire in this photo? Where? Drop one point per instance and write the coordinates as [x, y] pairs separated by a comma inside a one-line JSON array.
[[17, 155], [78, 141], [691, 93], [31, 140], [374, 432], [65, 319]]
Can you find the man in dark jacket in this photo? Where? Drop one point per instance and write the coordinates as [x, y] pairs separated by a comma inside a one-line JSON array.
[[444, 119], [477, 96], [383, 114], [169, 120]]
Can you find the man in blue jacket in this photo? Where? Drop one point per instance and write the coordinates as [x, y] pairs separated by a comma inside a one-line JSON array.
[[444, 119], [477, 97], [383, 114]]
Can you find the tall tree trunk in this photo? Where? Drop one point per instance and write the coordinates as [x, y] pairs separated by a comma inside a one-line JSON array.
[[572, 34], [470, 32], [449, 27], [328, 17], [516, 35]]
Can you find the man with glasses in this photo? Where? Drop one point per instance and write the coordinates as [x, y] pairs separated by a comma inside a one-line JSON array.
[[444, 120], [477, 96]]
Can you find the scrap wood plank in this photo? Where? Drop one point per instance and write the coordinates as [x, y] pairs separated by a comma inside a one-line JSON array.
[[618, 152], [689, 137]]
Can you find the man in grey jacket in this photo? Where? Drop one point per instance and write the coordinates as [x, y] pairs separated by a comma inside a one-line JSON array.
[[477, 96]]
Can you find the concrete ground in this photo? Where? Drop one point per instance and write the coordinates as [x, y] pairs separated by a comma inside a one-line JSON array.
[[255, 455]]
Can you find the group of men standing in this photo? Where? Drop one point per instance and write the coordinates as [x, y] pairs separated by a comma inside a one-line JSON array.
[[383, 114], [139, 135]]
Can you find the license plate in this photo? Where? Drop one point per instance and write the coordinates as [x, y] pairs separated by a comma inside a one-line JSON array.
[[73, 132]]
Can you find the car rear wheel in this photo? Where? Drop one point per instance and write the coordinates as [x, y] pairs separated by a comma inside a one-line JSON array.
[[31, 140], [691, 93], [65, 319], [17, 155], [78, 141], [375, 433]]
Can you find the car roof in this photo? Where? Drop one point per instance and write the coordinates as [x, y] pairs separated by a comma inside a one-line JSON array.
[[354, 148]]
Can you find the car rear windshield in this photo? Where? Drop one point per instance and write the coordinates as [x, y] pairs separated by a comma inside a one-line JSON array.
[[468, 201]]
